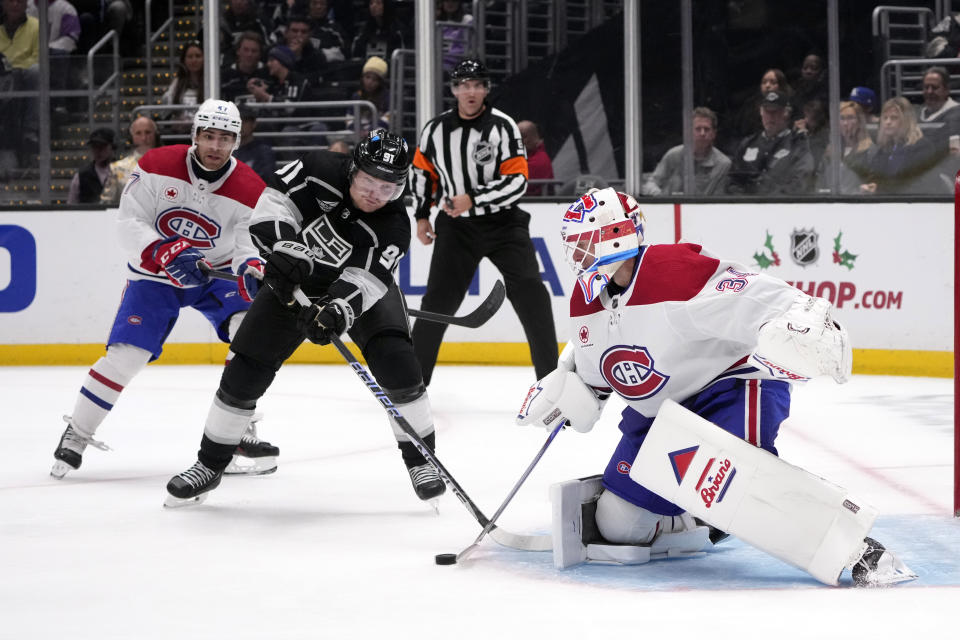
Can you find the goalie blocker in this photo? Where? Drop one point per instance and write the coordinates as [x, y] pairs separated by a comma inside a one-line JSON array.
[[772, 505]]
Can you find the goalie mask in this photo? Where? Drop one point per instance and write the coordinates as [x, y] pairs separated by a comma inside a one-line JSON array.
[[600, 230], [217, 114]]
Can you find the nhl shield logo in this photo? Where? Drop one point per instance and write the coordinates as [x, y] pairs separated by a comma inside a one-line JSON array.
[[803, 246], [483, 153]]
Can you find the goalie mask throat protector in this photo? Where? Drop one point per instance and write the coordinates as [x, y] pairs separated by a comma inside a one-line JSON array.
[[600, 230], [381, 163]]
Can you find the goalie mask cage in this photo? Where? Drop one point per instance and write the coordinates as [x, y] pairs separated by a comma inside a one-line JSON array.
[[956, 342]]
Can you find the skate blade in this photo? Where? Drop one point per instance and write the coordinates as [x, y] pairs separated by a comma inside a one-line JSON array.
[[243, 466], [434, 504], [173, 502], [60, 469]]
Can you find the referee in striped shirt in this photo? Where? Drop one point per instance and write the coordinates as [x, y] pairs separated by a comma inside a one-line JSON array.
[[472, 163]]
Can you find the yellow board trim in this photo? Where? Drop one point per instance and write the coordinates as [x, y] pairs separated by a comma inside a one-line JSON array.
[[938, 364]]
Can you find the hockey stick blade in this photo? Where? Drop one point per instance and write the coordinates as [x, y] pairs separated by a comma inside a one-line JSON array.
[[476, 318], [505, 538]]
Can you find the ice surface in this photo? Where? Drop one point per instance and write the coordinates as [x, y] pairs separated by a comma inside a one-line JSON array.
[[336, 545]]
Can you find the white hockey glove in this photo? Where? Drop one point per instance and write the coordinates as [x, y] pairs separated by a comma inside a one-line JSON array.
[[560, 395], [805, 342]]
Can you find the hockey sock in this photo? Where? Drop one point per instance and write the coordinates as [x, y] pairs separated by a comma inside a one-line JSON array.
[[222, 432], [104, 383], [411, 456]]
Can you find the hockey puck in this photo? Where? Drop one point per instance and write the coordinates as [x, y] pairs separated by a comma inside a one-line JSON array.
[[445, 558]]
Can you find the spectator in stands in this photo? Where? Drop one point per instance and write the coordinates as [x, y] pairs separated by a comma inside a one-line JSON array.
[[19, 51], [710, 165], [939, 107], [867, 99], [339, 146], [456, 40], [775, 160], [87, 184], [307, 59], [901, 160], [747, 119], [143, 137], [855, 141], [373, 87], [812, 83], [815, 126], [381, 34], [187, 86], [247, 65], [62, 41], [539, 166], [241, 18], [98, 17], [256, 153], [284, 84], [328, 36]]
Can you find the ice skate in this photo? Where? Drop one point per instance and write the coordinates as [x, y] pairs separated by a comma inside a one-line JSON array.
[[878, 567], [192, 485], [254, 457], [69, 452], [427, 484]]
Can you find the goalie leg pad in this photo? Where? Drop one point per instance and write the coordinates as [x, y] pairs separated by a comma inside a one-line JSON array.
[[774, 506]]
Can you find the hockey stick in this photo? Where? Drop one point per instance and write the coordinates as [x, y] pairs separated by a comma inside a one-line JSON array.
[[490, 525], [501, 536], [476, 318]]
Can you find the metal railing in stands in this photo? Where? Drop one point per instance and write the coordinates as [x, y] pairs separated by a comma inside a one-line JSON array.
[[152, 37], [95, 92], [345, 120], [896, 74]]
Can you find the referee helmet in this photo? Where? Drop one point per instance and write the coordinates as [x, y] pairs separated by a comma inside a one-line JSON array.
[[470, 69]]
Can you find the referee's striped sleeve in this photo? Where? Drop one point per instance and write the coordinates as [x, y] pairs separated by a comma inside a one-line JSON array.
[[510, 180]]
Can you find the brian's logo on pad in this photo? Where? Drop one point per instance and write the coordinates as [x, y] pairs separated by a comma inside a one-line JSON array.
[[715, 480], [680, 461], [629, 371]]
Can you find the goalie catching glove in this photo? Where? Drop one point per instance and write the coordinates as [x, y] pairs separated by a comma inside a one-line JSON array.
[[320, 322], [561, 395], [805, 342]]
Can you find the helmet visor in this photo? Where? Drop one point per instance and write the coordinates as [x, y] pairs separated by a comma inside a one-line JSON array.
[[377, 189]]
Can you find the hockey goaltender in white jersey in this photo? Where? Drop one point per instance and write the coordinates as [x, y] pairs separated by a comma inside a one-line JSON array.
[[663, 325]]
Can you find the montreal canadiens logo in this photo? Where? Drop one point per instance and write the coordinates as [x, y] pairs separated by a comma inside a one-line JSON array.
[[579, 208], [623, 467], [201, 231], [629, 371]]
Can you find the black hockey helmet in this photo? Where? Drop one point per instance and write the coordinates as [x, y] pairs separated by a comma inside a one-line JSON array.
[[383, 155], [470, 69]]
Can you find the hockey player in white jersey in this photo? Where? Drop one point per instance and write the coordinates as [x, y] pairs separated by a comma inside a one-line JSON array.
[[653, 323], [182, 204]]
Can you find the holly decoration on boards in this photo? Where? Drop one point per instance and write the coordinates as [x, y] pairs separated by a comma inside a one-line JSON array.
[[841, 256], [761, 257]]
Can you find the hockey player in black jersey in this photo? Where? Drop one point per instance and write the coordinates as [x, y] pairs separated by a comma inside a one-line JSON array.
[[335, 227]]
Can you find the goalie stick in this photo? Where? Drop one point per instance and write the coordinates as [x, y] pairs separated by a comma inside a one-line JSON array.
[[501, 536], [476, 318]]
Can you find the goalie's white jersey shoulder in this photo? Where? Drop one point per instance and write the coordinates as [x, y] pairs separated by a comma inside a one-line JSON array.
[[685, 320]]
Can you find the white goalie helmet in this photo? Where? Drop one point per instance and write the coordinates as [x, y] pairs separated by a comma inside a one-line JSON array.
[[600, 230], [217, 114]]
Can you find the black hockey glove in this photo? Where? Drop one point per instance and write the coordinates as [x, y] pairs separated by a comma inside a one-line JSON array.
[[287, 266], [319, 322]]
